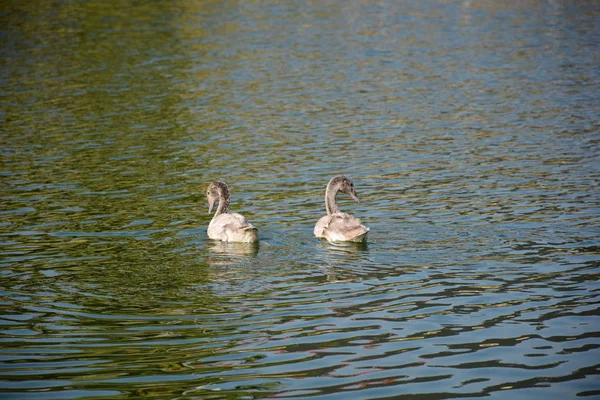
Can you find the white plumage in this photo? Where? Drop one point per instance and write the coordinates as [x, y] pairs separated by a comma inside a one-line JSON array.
[[337, 226], [227, 227]]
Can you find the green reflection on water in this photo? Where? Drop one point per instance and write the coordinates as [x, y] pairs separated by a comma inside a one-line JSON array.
[[116, 116]]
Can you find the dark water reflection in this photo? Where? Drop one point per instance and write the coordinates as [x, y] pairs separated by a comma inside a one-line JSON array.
[[471, 131]]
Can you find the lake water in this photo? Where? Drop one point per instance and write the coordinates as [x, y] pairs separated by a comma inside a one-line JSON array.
[[471, 130]]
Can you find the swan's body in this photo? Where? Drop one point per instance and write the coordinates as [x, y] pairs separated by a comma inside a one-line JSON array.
[[337, 226], [341, 227], [227, 227]]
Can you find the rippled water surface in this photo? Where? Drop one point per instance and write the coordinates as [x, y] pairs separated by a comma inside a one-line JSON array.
[[470, 129]]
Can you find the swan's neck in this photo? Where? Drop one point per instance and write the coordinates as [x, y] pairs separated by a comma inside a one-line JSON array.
[[224, 199], [330, 203]]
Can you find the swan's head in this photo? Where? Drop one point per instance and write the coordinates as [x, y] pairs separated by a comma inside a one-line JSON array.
[[214, 191], [345, 185]]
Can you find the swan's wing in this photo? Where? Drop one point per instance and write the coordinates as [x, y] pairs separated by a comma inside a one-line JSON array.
[[240, 218], [344, 227], [342, 222], [232, 228], [321, 225]]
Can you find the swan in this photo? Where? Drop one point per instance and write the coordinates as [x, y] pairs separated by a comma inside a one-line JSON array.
[[337, 226], [227, 227]]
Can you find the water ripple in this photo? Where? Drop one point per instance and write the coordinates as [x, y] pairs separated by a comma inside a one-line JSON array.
[[469, 129]]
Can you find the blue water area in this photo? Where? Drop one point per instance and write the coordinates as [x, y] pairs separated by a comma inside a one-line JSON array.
[[469, 128]]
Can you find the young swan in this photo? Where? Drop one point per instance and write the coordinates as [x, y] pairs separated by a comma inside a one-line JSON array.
[[227, 227], [337, 226]]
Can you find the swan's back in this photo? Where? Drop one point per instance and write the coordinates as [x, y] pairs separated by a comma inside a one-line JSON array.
[[232, 228], [341, 227]]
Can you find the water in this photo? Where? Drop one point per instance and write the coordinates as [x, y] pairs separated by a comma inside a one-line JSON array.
[[470, 129]]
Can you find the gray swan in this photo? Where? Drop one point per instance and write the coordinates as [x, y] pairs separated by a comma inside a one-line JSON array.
[[337, 226], [227, 227]]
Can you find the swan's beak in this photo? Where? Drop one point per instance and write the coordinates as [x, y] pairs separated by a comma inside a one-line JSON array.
[[210, 205], [354, 196]]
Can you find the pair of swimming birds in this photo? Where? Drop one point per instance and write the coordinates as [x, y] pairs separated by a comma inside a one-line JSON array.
[[336, 226]]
